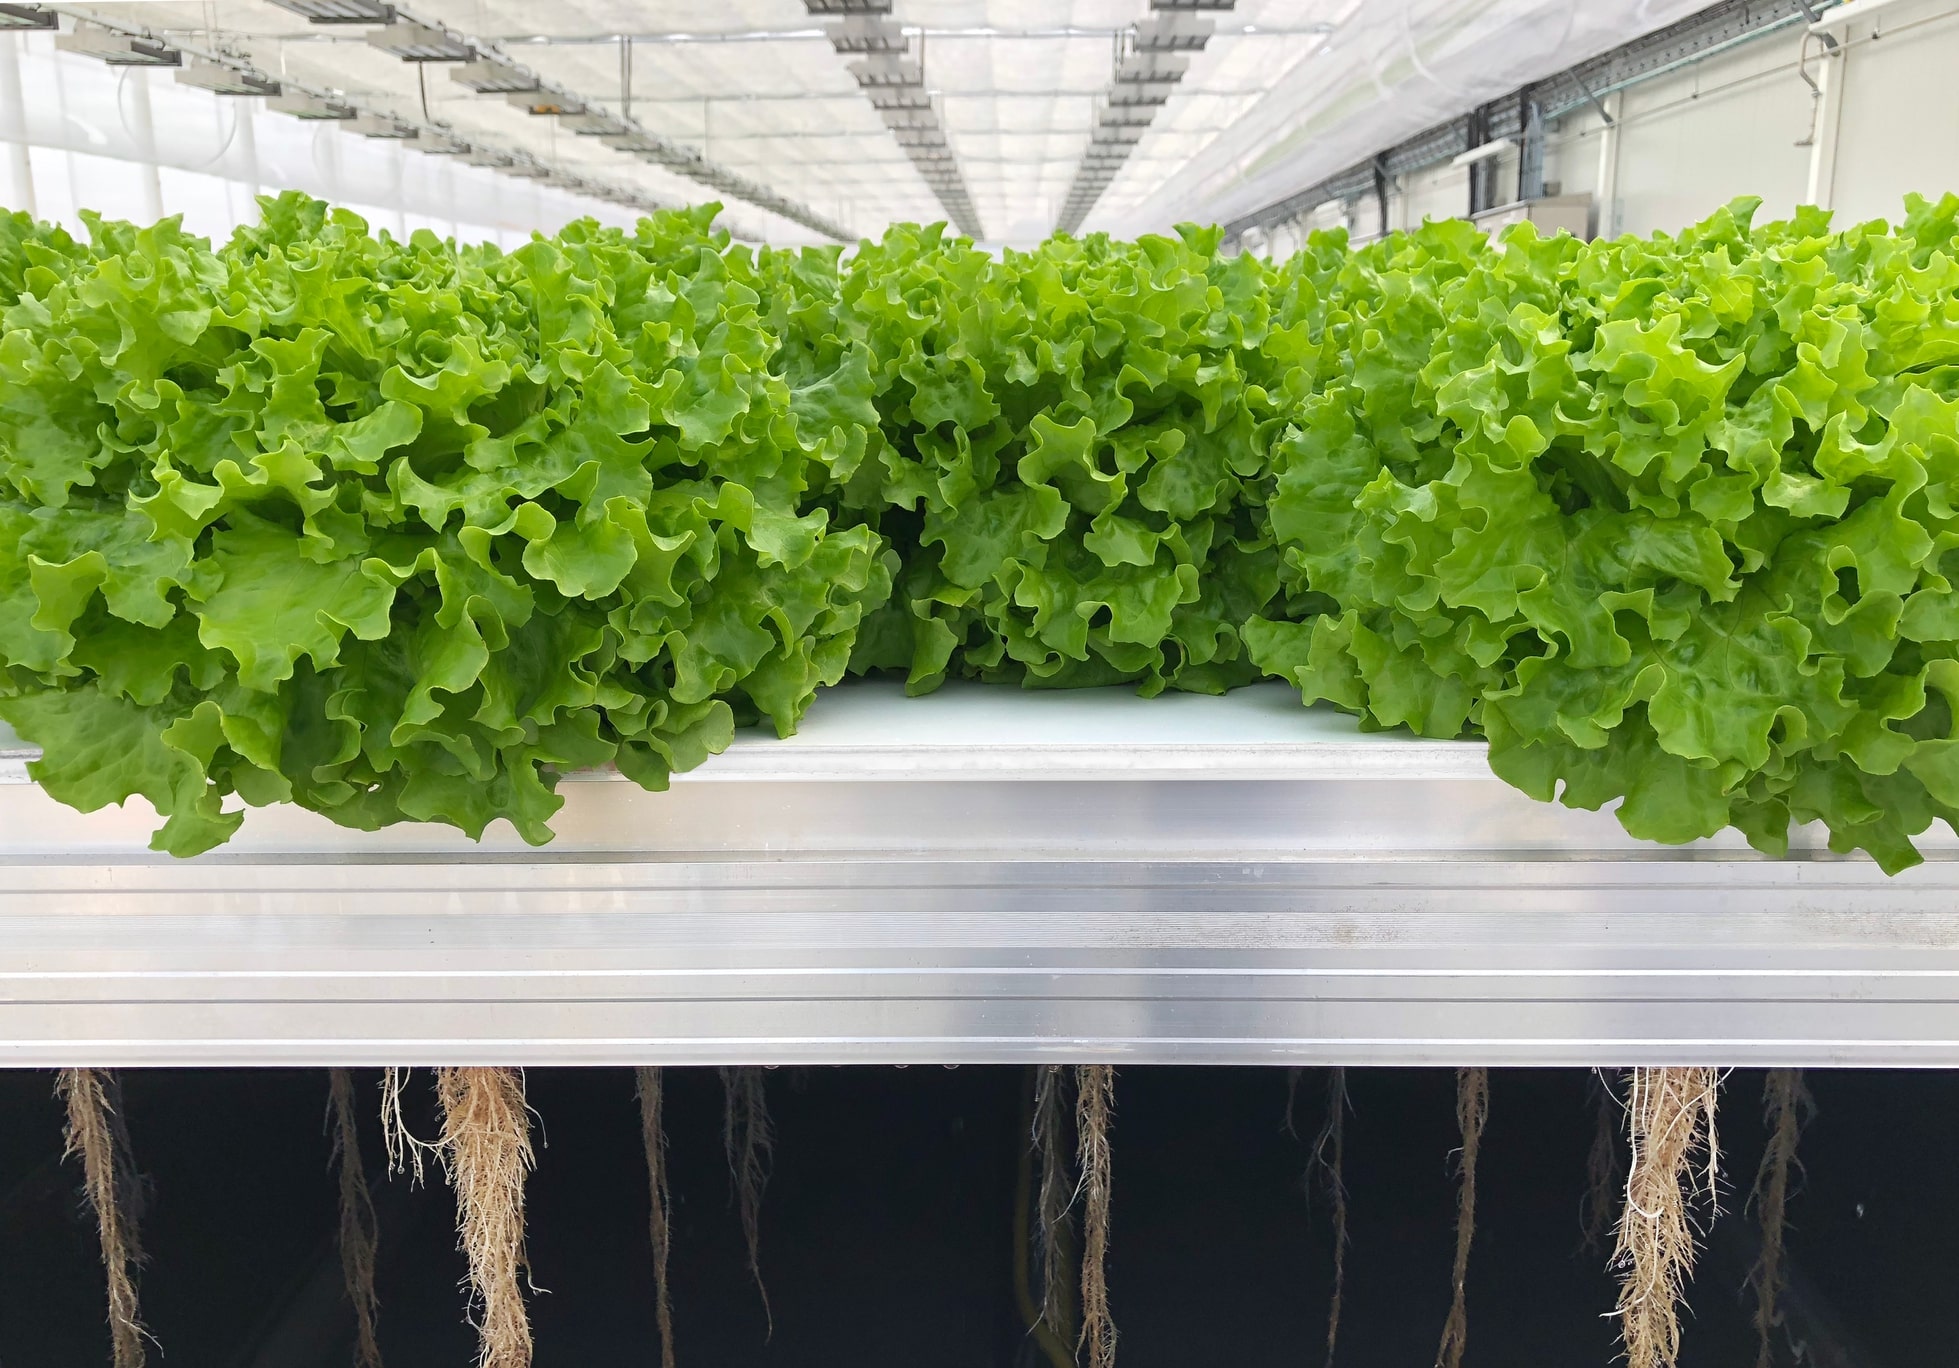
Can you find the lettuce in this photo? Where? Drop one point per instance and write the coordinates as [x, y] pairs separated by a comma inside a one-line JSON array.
[[404, 531]]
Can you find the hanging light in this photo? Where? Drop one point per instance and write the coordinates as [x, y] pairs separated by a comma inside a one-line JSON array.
[[488, 76], [340, 11], [224, 80], [117, 49], [303, 106], [419, 43], [18, 17]]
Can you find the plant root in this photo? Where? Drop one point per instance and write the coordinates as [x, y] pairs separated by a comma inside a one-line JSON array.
[[749, 1140], [359, 1229], [486, 1150], [1787, 1107], [1057, 1199], [653, 1133], [1670, 1116], [1095, 1086], [1329, 1163], [1472, 1112], [1053, 1342], [405, 1151], [1604, 1173], [98, 1134]]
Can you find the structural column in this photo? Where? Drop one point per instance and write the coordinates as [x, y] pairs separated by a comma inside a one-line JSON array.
[[13, 130]]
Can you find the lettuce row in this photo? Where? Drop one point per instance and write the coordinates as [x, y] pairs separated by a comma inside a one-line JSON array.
[[1666, 520], [398, 530]]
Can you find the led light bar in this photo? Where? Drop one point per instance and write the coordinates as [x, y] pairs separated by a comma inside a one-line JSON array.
[[868, 33], [484, 156], [17, 17], [1141, 92], [545, 102], [898, 97], [380, 126], [637, 144], [884, 70], [591, 123], [301, 106], [847, 6], [340, 11], [487, 76], [223, 80], [1178, 31], [419, 43], [1151, 66], [117, 49]]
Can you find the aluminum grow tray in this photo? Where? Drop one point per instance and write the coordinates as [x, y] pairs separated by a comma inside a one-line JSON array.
[[980, 876]]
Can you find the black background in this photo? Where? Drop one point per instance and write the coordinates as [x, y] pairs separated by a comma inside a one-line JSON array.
[[887, 1228]]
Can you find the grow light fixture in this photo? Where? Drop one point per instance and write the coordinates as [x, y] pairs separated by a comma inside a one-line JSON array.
[[485, 156], [894, 82], [17, 17], [340, 11], [545, 102], [380, 126], [1145, 78], [868, 33], [117, 49], [487, 76], [1178, 31], [591, 123], [220, 79], [414, 42], [888, 69], [303, 106]]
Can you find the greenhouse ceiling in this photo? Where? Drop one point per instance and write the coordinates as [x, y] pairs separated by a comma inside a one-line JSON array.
[[828, 119]]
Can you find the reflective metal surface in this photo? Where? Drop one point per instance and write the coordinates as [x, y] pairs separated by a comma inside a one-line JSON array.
[[1149, 912]]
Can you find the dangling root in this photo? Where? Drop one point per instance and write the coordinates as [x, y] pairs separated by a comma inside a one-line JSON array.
[[405, 1152], [1094, 1111], [99, 1135], [1330, 1162], [1472, 1111], [1058, 1188], [1604, 1177], [486, 1149], [750, 1141], [1675, 1160], [359, 1230], [1786, 1106], [652, 1130], [1049, 1337]]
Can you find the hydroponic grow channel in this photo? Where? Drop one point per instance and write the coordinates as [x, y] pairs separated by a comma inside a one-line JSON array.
[[980, 875]]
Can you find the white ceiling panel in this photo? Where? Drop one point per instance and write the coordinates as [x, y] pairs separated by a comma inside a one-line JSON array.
[[1286, 92]]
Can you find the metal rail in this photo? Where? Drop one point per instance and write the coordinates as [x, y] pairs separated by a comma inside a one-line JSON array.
[[980, 877]]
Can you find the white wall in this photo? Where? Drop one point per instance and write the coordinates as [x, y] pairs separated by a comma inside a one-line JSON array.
[[78, 134], [1746, 122]]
